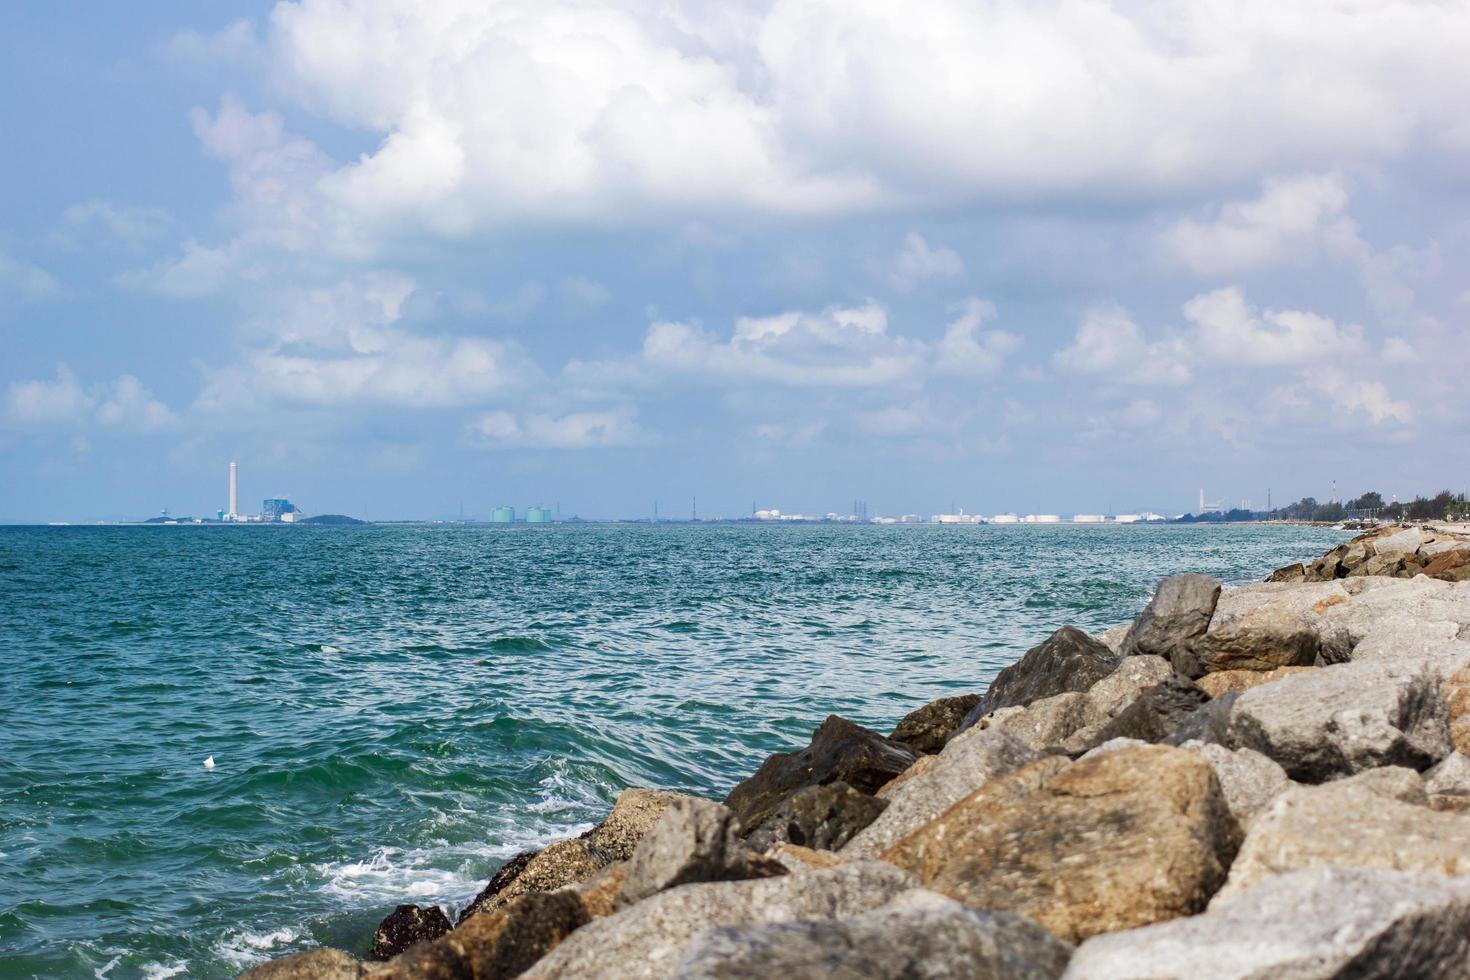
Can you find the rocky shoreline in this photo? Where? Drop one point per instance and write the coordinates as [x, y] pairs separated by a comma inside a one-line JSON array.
[[1264, 781]]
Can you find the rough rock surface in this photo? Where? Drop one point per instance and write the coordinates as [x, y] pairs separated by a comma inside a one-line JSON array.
[[1236, 681], [972, 759], [694, 841], [1448, 783], [840, 751], [926, 729], [1051, 721], [406, 925], [570, 861], [1249, 780], [1116, 841], [918, 936], [820, 817], [1068, 660], [1269, 636], [1321, 923], [1348, 717], [496, 944], [1179, 611], [1379, 819], [1455, 690], [1040, 724], [1153, 716], [314, 964], [647, 940]]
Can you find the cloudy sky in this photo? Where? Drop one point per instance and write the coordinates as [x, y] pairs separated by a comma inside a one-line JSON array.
[[398, 258]]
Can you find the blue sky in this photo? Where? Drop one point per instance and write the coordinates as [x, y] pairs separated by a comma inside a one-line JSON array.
[[396, 258]]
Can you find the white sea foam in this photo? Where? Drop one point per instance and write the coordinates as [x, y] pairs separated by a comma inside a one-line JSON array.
[[102, 971], [328, 648], [161, 971], [243, 948]]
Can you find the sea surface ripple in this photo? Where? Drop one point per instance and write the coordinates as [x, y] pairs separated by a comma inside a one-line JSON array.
[[395, 710]]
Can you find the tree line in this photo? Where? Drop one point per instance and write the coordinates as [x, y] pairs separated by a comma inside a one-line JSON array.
[[1443, 506]]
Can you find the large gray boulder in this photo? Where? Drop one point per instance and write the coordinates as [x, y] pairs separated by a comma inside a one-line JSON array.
[[1153, 716], [1068, 660], [695, 840], [1447, 784], [1345, 718], [647, 940], [1180, 610], [918, 936], [840, 751], [1378, 819], [1311, 925], [1051, 721], [1269, 636], [968, 762], [1249, 780]]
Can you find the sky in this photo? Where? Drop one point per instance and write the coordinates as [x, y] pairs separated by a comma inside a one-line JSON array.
[[403, 260]]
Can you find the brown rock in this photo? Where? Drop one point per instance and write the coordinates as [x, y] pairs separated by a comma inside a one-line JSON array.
[[570, 861], [1115, 841], [926, 729], [600, 892], [797, 858], [405, 926], [1227, 681], [913, 771], [1268, 636], [1455, 689], [314, 964], [496, 944], [839, 751], [1446, 561], [1290, 573]]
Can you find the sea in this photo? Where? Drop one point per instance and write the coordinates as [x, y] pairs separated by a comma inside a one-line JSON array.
[[394, 710]]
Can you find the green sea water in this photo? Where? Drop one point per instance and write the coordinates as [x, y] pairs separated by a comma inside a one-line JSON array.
[[394, 711]]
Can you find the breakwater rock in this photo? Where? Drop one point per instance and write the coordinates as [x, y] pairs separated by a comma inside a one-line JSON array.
[[1270, 780]]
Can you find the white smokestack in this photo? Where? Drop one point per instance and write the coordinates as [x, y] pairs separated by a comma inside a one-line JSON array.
[[234, 490]]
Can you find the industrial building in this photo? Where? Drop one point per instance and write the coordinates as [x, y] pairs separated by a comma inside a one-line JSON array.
[[503, 515], [538, 515]]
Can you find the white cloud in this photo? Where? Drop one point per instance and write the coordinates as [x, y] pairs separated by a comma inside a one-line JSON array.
[[1290, 220], [576, 430], [21, 281], [199, 271], [791, 435], [1365, 398], [966, 349], [345, 344], [916, 262], [809, 106], [1229, 330], [120, 406], [1109, 342], [1397, 350], [89, 222], [837, 347]]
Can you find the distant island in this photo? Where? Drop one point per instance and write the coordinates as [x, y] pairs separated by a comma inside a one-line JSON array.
[[334, 520]]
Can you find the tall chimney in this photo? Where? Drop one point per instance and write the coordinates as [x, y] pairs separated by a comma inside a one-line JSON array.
[[234, 490]]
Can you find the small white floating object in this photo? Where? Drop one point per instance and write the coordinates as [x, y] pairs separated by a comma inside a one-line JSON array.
[[328, 648], [209, 762]]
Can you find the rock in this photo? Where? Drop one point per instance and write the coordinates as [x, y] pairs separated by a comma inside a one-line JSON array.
[[1447, 561], [314, 964], [1447, 784], [1068, 660], [1248, 780], [1320, 923], [1123, 839], [796, 858], [1269, 636], [912, 772], [1289, 573], [406, 925], [1179, 611], [1455, 690], [1405, 542], [926, 729], [1390, 564], [1119, 689], [570, 861], [1113, 637], [917, 936], [820, 817], [1378, 819], [1235, 681], [1040, 724], [647, 940], [840, 751], [1152, 717], [694, 841], [1112, 745], [1344, 718], [970, 760], [1406, 636], [1208, 723], [599, 893], [495, 944]]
